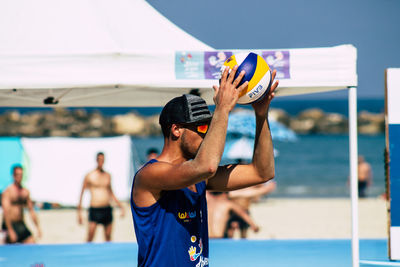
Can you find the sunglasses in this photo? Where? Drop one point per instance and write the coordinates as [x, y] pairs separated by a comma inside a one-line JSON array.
[[200, 128]]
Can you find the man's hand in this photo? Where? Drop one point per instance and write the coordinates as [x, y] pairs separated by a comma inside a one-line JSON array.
[[255, 228], [261, 107], [80, 221], [227, 94], [39, 232], [12, 236], [122, 211]]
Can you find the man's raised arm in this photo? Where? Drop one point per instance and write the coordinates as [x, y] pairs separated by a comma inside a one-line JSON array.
[[262, 167], [175, 169]]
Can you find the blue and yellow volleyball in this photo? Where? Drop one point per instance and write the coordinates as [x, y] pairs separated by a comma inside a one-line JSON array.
[[258, 74]]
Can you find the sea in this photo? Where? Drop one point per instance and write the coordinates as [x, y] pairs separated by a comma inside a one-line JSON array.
[[315, 165], [312, 166]]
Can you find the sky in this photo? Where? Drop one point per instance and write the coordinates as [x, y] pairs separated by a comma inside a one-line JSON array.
[[372, 26]]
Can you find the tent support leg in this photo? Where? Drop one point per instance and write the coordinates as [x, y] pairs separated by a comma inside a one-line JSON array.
[[353, 147]]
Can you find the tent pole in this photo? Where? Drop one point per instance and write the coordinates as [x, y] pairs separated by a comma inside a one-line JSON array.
[[353, 144]]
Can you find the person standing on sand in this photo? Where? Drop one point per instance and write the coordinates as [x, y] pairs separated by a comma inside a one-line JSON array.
[[14, 199], [364, 176], [98, 182], [168, 199]]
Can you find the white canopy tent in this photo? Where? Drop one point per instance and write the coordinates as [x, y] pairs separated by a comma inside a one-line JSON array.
[[124, 53], [152, 78]]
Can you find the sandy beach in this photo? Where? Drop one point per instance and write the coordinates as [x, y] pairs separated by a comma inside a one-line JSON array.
[[278, 218]]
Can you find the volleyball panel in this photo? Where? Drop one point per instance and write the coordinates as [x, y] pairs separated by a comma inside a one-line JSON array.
[[258, 91]]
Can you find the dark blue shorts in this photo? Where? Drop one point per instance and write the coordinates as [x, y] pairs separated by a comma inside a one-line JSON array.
[[101, 215], [20, 229]]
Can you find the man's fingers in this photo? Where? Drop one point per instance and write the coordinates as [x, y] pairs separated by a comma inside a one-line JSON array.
[[271, 96], [224, 76], [232, 74], [274, 86], [216, 89], [239, 78], [273, 75], [243, 87], [271, 93]]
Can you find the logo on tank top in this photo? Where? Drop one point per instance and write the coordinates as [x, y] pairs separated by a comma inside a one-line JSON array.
[[197, 256], [187, 216]]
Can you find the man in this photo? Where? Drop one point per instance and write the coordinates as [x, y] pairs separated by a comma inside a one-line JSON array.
[[14, 199], [364, 176], [219, 209], [98, 182], [168, 200]]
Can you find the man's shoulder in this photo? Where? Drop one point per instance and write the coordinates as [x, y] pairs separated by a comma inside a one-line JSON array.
[[146, 170], [106, 173], [149, 171], [90, 177], [25, 190], [152, 165], [7, 190], [365, 165], [91, 173], [96, 173], [10, 190]]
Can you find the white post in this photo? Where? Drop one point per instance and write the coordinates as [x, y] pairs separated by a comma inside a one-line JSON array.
[[353, 143]]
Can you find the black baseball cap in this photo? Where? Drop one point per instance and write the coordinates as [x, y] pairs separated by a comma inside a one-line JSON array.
[[185, 109]]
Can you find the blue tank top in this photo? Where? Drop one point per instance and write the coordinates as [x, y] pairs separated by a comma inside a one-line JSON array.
[[174, 230]]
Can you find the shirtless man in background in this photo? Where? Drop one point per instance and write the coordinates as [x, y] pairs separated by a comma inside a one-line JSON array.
[[14, 199], [364, 176], [219, 209], [98, 182]]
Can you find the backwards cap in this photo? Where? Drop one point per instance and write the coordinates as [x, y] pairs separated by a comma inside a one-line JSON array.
[[185, 109]]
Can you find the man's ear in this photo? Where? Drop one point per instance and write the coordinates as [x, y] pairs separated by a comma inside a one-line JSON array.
[[176, 131]]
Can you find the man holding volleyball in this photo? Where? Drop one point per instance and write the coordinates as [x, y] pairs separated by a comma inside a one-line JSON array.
[[168, 200]]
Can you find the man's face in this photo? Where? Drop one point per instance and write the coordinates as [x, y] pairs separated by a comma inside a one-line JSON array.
[[18, 175], [192, 139], [100, 161]]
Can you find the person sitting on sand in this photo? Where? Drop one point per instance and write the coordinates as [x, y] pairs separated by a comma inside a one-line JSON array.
[[244, 198], [219, 208]]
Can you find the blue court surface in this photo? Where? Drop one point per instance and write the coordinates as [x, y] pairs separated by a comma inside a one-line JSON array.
[[249, 253]]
